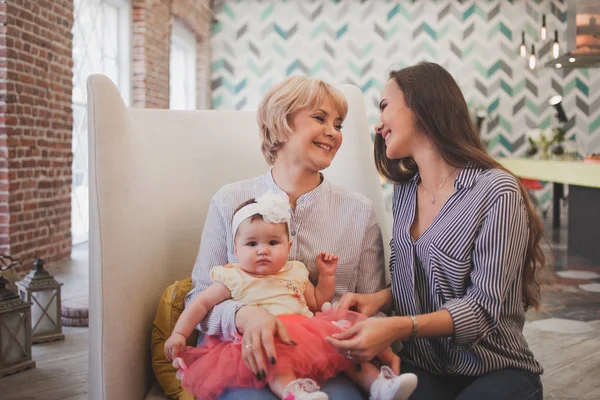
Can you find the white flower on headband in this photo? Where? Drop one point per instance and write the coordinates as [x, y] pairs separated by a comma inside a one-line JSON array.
[[274, 208]]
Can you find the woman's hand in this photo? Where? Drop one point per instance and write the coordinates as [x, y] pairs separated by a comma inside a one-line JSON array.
[[174, 345], [367, 339], [366, 304], [259, 328]]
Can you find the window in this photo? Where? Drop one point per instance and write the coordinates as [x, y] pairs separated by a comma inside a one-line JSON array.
[[101, 44], [182, 75]]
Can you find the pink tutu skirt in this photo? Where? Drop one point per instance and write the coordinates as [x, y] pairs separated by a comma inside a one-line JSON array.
[[217, 365]]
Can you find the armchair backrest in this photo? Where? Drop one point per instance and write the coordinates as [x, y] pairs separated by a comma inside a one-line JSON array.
[[152, 175]]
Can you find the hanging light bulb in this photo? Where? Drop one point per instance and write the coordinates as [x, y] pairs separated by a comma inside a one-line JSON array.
[[544, 30], [555, 46], [523, 46], [532, 58]]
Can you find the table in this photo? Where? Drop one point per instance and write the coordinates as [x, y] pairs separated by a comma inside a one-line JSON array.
[[584, 197]]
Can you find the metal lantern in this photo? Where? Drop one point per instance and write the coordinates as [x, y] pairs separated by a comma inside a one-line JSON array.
[[43, 292], [15, 332]]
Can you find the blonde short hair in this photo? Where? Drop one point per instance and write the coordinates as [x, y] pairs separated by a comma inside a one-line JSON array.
[[284, 100]]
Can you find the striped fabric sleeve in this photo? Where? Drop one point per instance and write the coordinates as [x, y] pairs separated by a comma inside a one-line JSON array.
[[213, 251], [497, 259], [371, 273]]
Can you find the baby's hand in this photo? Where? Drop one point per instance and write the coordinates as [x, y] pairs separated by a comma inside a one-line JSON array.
[[327, 263], [174, 345]]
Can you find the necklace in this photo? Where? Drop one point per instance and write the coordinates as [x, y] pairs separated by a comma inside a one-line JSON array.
[[438, 188]]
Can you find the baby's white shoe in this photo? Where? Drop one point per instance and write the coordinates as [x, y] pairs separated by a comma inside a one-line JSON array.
[[303, 389], [389, 386]]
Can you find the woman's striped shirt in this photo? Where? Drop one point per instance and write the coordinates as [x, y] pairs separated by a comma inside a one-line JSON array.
[[469, 262]]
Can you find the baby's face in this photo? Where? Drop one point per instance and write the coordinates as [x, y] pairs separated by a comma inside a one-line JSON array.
[[262, 248]]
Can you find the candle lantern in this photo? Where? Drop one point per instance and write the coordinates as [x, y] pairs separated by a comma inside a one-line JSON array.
[[43, 292], [15, 332]]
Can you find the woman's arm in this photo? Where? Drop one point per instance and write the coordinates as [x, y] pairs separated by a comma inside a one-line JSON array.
[[498, 260], [371, 273], [220, 321]]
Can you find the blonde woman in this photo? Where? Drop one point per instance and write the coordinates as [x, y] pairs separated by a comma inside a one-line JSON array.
[[300, 123]]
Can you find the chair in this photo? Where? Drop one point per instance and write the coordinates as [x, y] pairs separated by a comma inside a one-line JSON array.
[[152, 174]]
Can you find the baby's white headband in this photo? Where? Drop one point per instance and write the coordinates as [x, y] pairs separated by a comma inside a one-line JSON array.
[[274, 208]]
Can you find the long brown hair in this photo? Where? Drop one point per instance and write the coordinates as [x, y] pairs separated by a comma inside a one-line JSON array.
[[440, 108]]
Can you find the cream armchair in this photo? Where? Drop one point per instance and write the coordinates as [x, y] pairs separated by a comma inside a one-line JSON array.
[[152, 174]]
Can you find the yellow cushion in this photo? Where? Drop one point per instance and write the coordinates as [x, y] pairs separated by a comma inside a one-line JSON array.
[[169, 309]]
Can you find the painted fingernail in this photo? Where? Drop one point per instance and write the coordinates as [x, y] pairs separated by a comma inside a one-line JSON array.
[[258, 376], [263, 373], [358, 367], [273, 360], [292, 342]]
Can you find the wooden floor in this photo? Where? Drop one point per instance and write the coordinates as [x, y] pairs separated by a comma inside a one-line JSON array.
[[61, 371], [571, 363]]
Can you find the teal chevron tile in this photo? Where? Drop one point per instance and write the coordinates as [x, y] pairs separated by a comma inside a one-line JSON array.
[[217, 102], [280, 50], [444, 31], [254, 68], [499, 27], [280, 31], [506, 87], [265, 86], [265, 14], [366, 50], [493, 106], [531, 31], [500, 140], [370, 83], [545, 123], [474, 9], [576, 83], [430, 31], [292, 67], [468, 50], [531, 105], [229, 11], [505, 31], [216, 28], [398, 9], [318, 66], [582, 86], [585, 72], [520, 86], [392, 31], [505, 124], [341, 31], [240, 86], [493, 69], [594, 125], [318, 29], [481, 69], [354, 68], [217, 65]]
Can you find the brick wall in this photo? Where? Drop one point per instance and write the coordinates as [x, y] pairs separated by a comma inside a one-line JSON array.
[[151, 48], [4, 239], [36, 118], [38, 127]]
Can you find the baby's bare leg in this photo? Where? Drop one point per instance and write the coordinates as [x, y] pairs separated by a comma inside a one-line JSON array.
[[278, 381], [365, 378]]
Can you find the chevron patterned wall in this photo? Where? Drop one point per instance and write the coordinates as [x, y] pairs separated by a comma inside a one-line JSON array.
[[258, 43]]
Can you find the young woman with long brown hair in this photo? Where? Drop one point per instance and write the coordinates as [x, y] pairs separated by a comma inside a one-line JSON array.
[[465, 251]]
